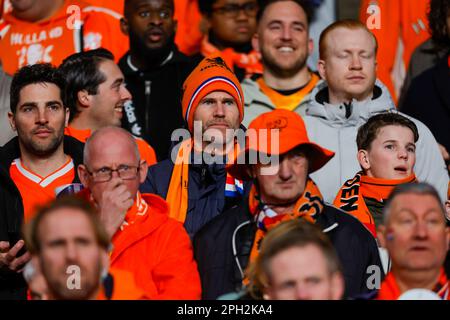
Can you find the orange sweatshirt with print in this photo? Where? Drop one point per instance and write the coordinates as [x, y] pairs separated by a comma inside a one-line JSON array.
[[403, 19], [145, 150], [52, 40]]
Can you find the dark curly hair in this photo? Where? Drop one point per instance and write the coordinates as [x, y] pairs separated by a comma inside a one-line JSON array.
[[437, 19], [33, 74]]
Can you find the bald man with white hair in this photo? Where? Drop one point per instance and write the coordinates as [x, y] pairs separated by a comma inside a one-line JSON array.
[[146, 242]]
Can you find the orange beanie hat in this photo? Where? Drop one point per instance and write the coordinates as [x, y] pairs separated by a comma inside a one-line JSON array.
[[212, 74]]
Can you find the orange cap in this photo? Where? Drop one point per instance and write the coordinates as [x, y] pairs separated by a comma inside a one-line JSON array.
[[291, 133], [212, 74]]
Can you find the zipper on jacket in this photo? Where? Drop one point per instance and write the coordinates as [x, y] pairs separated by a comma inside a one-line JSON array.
[[148, 91]]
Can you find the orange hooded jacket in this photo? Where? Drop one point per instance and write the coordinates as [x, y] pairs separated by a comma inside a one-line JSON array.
[[158, 251], [403, 19]]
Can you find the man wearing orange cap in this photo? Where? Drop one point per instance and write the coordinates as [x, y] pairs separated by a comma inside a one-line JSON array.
[[282, 191], [194, 180]]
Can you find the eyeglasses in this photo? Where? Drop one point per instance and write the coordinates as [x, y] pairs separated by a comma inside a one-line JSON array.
[[124, 171], [232, 10]]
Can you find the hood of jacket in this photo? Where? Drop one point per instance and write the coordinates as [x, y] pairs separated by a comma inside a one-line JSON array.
[[350, 114]]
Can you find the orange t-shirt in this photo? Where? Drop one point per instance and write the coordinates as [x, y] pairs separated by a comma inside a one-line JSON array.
[[145, 150], [36, 190], [52, 40]]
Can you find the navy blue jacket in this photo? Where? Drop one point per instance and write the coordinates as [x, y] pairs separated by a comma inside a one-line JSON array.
[[222, 249], [206, 191]]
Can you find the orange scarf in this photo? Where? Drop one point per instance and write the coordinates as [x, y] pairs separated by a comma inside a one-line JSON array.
[[290, 102], [177, 195], [250, 62], [390, 291], [308, 205], [350, 197]]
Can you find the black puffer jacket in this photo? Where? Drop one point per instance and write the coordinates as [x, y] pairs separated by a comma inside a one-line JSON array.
[[12, 284], [223, 246]]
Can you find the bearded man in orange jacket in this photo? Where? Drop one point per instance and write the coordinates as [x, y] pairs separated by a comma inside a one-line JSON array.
[[154, 247]]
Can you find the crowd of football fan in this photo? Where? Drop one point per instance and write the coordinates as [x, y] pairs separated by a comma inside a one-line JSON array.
[[224, 149]]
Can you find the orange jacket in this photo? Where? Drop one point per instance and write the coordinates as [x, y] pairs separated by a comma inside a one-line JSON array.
[[54, 39], [403, 19], [146, 151], [158, 251], [124, 287], [189, 35]]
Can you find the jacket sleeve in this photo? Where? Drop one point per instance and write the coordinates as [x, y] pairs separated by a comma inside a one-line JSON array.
[[430, 165], [149, 185], [176, 275]]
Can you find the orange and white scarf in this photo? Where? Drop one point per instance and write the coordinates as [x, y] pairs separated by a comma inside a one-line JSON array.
[[350, 197], [250, 62]]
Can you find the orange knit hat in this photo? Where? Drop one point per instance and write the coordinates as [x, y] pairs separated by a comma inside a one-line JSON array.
[[212, 74]]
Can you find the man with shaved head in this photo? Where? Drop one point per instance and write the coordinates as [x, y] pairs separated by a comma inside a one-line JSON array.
[[146, 242]]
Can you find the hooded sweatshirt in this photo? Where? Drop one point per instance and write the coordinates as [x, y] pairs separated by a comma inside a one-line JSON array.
[[335, 127]]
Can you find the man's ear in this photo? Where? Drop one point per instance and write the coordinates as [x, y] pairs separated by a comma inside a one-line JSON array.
[[12, 121], [175, 26], [381, 235], [363, 159], [255, 42], [337, 286], [83, 99], [310, 47], [83, 175], [124, 26], [67, 114], [321, 67], [143, 171]]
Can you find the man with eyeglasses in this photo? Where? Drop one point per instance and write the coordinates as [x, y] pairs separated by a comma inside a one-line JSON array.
[[154, 73], [146, 242], [231, 25]]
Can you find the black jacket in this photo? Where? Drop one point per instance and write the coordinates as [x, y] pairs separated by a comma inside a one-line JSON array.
[[428, 100], [155, 111], [223, 246], [12, 285]]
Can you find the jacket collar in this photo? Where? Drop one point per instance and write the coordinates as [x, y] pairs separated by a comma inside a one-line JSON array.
[[317, 105]]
